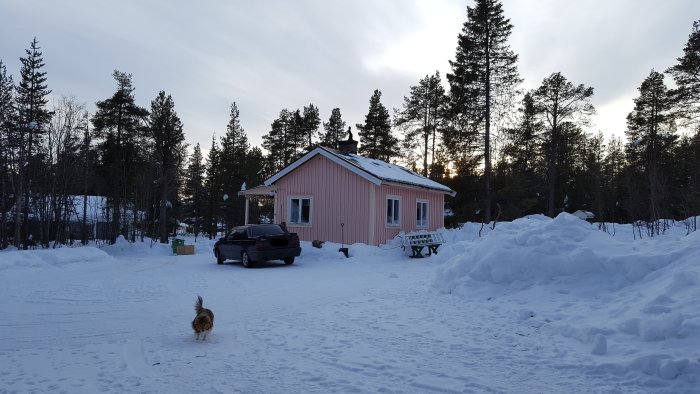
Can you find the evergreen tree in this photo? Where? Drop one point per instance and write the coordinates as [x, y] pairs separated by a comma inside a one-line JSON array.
[[274, 142], [283, 141], [376, 140], [423, 112], [213, 190], [295, 135], [335, 130], [255, 171], [311, 120], [686, 74], [651, 135], [522, 167], [165, 132], [194, 192], [483, 82], [32, 118], [234, 149], [613, 177], [685, 180], [118, 124], [560, 102], [7, 116]]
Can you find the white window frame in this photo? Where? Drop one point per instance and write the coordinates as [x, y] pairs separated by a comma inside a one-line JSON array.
[[426, 212], [290, 221], [395, 220]]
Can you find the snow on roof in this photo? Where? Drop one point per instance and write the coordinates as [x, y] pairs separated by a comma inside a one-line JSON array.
[[373, 170]]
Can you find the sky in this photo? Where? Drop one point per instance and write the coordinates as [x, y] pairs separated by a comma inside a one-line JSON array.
[[274, 54]]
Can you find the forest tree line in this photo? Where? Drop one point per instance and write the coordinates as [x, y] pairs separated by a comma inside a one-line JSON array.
[[505, 151]]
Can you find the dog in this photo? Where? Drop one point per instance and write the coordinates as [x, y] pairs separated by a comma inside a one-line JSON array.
[[203, 322]]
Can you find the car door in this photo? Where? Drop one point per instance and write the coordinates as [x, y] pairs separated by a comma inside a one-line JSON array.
[[226, 246], [238, 235]]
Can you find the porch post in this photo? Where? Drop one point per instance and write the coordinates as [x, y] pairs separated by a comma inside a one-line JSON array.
[[247, 200]]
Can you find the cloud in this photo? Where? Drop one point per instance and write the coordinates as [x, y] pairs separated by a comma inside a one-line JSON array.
[[277, 54]]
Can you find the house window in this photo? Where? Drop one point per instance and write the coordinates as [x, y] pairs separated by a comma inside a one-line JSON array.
[[299, 210], [422, 213], [393, 211]]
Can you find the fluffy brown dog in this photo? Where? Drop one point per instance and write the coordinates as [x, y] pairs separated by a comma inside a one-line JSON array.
[[203, 322]]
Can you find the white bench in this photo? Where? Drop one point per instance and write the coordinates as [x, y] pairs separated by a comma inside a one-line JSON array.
[[418, 241]]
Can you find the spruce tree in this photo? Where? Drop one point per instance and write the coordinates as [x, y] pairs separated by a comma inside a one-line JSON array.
[[560, 103], [613, 178], [194, 192], [483, 82], [651, 134], [7, 116], [334, 130], [165, 132], [522, 164], [234, 149], [32, 118], [118, 123], [376, 140], [213, 190], [686, 74]]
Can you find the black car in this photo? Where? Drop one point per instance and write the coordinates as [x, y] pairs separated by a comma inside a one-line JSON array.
[[257, 242]]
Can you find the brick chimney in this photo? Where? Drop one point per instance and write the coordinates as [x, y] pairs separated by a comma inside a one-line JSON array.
[[349, 146]]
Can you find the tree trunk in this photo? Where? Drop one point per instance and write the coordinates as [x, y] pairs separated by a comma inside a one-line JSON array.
[[487, 131], [162, 217]]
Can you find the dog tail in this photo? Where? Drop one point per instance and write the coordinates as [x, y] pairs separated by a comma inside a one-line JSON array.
[[198, 306]]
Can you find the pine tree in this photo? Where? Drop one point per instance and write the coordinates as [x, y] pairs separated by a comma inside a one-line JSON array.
[[194, 192], [376, 140], [686, 74], [559, 102], [423, 112], [311, 120], [651, 135], [118, 123], [483, 81], [335, 130], [165, 132], [283, 141]]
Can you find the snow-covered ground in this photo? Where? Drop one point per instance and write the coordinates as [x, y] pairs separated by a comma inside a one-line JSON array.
[[536, 306]]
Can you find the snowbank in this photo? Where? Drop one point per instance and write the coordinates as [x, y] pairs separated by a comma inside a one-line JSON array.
[[632, 303], [536, 250], [51, 257]]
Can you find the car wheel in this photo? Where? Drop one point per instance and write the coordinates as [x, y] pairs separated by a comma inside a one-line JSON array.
[[245, 259], [289, 260], [219, 259]]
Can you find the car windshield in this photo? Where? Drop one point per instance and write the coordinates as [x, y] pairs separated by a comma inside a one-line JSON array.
[[264, 230]]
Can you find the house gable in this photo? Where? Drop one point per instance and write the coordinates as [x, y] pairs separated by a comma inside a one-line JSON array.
[[328, 155]]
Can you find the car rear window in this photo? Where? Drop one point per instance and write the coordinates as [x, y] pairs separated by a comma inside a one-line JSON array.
[[268, 229]]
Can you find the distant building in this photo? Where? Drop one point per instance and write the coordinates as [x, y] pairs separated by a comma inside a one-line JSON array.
[[584, 215]]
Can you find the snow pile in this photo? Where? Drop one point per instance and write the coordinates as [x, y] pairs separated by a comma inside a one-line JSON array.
[[632, 304], [51, 257], [536, 249]]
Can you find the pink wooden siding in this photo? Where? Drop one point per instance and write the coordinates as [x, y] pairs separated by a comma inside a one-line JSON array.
[[340, 196], [409, 197]]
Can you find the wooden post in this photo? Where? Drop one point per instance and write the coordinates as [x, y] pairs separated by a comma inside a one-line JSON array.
[[247, 208]]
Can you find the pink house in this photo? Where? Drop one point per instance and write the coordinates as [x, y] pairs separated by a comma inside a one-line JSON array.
[[339, 196]]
